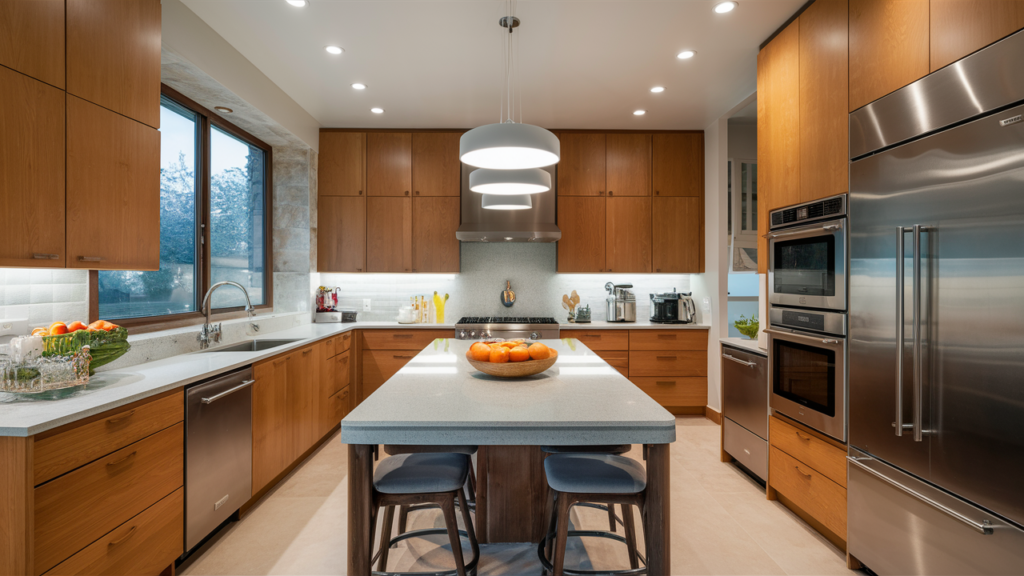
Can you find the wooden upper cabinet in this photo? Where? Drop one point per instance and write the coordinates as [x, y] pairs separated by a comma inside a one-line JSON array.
[[764, 158], [342, 164], [341, 234], [389, 234], [678, 164], [388, 164], [678, 232], [31, 172], [779, 126], [628, 239], [582, 247], [888, 47], [581, 170], [32, 38], [959, 27], [824, 100], [113, 56], [434, 223], [628, 164], [113, 190], [436, 170]]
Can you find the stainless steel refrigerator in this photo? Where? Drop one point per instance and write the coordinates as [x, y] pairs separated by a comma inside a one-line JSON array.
[[936, 337]]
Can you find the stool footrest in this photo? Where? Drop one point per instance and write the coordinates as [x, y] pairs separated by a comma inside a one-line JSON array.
[[596, 534], [470, 566]]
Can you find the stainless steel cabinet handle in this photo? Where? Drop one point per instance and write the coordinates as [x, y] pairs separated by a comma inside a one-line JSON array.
[[804, 231], [898, 424], [45, 256], [983, 527], [738, 361], [918, 363], [216, 397], [90, 259]]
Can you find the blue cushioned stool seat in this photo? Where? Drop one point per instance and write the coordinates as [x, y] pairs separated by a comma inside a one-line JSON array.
[[594, 474], [599, 449], [421, 473]]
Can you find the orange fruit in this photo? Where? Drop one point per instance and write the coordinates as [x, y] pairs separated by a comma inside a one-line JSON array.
[[40, 332], [58, 328], [509, 345], [108, 326], [539, 351], [499, 354], [95, 326], [481, 352], [76, 326], [519, 354]]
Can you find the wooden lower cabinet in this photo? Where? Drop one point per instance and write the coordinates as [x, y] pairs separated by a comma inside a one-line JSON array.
[[675, 391], [380, 365], [618, 359], [303, 401], [401, 339], [600, 339], [668, 339], [668, 363], [825, 457]]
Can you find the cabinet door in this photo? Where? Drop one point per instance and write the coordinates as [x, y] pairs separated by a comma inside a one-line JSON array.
[[629, 235], [436, 170], [434, 223], [113, 52], [628, 164], [31, 172], [342, 164], [678, 233], [326, 387], [824, 100], [888, 47], [764, 158], [271, 439], [380, 365], [389, 234], [32, 38], [780, 174], [959, 27], [581, 170], [388, 164], [113, 190], [582, 246], [678, 164], [341, 234], [303, 416]]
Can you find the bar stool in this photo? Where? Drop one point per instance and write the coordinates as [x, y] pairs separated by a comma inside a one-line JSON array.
[[616, 449], [411, 479], [397, 449], [578, 478]]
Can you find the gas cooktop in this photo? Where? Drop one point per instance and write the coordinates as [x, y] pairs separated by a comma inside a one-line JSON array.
[[505, 320], [473, 327]]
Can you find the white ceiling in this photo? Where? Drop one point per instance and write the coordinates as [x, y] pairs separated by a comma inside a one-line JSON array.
[[437, 64]]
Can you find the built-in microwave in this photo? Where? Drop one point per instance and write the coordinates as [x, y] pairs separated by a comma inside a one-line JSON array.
[[807, 255]]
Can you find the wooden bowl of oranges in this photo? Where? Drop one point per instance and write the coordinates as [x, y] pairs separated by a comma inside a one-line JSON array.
[[511, 359]]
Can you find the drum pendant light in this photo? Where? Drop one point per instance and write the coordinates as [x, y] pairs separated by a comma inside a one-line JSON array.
[[509, 182], [494, 202], [509, 145]]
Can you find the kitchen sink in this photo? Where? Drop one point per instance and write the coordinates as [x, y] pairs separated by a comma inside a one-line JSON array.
[[253, 345]]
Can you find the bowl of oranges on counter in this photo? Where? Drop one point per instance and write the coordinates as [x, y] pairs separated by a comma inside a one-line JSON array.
[[511, 358]]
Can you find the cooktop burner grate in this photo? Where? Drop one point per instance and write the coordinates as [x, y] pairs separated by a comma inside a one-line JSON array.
[[505, 320]]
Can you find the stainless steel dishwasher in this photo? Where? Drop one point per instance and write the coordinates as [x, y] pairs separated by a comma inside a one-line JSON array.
[[745, 408], [218, 452]]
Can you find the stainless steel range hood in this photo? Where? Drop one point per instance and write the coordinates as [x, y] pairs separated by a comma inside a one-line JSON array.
[[534, 225]]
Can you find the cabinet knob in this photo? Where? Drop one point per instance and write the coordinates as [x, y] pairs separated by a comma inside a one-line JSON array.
[[656, 192], [610, 193], [406, 192], [417, 192], [600, 191], [360, 192]]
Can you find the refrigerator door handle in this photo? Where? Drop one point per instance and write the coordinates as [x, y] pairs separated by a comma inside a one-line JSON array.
[[918, 356], [984, 527], [898, 424]]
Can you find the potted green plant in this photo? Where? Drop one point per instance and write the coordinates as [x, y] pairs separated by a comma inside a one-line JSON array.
[[748, 326]]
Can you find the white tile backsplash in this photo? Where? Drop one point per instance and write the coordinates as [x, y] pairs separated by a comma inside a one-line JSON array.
[[44, 296]]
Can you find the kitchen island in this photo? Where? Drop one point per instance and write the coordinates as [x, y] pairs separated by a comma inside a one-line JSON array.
[[438, 398]]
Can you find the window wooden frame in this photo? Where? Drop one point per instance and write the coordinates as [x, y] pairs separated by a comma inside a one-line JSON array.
[[207, 120]]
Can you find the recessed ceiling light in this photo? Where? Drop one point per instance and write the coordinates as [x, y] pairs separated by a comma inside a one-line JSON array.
[[724, 7], [686, 54], [223, 109], [639, 112], [377, 110], [658, 89], [334, 49], [359, 86], [298, 3]]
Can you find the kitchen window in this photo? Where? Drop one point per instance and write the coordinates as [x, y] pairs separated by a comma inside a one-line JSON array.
[[214, 224]]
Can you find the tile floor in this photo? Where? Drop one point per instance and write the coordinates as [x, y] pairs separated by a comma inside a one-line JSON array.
[[721, 524]]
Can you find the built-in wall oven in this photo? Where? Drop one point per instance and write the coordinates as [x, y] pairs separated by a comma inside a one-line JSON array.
[[807, 374], [807, 255]]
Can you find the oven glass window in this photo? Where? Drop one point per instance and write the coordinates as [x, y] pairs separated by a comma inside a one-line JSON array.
[[806, 375], [806, 266]]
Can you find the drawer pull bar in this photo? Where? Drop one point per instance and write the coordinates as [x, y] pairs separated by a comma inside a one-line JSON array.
[[405, 357], [665, 382], [401, 335], [666, 336], [90, 259], [121, 418], [304, 352], [125, 537], [598, 336], [738, 361], [802, 473], [122, 460], [802, 437], [216, 397], [45, 256], [276, 362], [668, 357]]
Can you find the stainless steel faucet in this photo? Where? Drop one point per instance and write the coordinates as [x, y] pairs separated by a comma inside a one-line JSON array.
[[210, 334]]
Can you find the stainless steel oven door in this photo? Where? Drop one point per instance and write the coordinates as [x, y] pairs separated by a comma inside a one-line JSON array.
[[807, 379], [807, 266]]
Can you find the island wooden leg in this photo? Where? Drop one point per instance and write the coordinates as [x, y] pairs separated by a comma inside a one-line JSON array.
[[360, 504], [657, 520]]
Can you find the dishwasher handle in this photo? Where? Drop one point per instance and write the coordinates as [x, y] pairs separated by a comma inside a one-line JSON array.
[[216, 397], [739, 361]]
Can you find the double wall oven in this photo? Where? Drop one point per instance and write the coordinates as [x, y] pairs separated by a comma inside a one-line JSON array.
[[807, 296]]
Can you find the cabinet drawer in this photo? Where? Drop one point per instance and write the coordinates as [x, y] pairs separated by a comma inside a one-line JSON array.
[[668, 363], [330, 346], [63, 450], [675, 391], [74, 510], [343, 342], [338, 406], [809, 449], [680, 339], [619, 359], [146, 544], [342, 371], [600, 339], [380, 365], [402, 339], [810, 490]]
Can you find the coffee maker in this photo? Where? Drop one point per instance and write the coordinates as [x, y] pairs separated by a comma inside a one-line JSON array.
[[621, 303], [673, 308]]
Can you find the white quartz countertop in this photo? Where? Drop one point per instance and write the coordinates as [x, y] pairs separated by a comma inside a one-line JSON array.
[[638, 325], [439, 398], [744, 344]]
